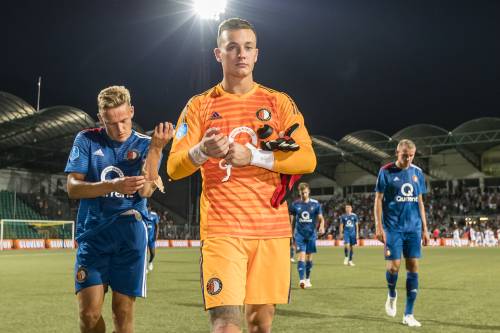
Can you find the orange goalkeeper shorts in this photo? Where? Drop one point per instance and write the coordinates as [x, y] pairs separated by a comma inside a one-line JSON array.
[[236, 271]]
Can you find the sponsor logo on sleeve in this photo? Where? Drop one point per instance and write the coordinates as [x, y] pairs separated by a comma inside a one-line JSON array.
[[181, 131], [75, 153]]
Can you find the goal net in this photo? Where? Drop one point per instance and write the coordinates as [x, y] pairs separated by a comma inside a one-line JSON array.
[[36, 234]]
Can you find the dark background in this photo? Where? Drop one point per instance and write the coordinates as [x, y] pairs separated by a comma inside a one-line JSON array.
[[349, 65]]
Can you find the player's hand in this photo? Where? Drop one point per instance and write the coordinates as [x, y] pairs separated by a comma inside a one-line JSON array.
[[128, 185], [321, 230], [425, 238], [380, 234], [214, 143], [162, 134], [284, 142], [341, 236], [238, 155]]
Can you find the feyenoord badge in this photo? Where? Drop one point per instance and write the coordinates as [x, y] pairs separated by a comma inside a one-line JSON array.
[[214, 286], [263, 114], [81, 274], [132, 155]]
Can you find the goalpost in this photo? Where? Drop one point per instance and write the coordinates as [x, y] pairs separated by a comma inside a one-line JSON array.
[[36, 233]]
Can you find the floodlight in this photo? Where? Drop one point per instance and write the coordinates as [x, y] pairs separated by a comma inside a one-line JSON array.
[[209, 9]]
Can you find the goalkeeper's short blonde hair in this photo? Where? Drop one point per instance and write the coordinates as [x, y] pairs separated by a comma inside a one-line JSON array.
[[112, 97]]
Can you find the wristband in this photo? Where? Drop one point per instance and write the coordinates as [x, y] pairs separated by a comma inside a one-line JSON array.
[[261, 158], [197, 155]]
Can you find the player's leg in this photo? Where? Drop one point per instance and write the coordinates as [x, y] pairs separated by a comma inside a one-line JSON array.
[[392, 251], [309, 266], [311, 248], [151, 247], [412, 251], [301, 259], [225, 319], [352, 242], [268, 283], [123, 312], [346, 248], [90, 302], [223, 266], [91, 278], [259, 317], [128, 271]]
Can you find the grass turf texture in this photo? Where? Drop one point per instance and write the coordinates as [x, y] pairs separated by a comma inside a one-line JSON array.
[[458, 293]]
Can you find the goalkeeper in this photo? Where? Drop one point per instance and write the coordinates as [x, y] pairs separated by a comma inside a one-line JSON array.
[[242, 136]]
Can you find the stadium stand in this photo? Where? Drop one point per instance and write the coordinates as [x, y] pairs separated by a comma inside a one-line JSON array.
[[462, 167]]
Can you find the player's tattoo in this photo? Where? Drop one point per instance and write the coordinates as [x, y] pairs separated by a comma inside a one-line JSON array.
[[224, 315]]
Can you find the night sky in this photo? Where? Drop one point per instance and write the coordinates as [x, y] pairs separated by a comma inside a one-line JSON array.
[[349, 65]]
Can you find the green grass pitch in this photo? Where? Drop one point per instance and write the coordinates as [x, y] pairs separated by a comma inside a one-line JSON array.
[[459, 292]]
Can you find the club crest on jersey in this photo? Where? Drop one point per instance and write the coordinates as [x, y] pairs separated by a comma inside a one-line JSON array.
[[181, 131], [81, 274], [263, 114], [214, 286], [132, 155], [415, 178]]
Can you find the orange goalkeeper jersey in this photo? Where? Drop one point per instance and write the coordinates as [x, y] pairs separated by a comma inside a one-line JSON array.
[[238, 204]]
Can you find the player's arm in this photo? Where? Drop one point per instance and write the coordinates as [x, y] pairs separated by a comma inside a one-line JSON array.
[[357, 230], [377, 206], [377, 210], [292, 221], [78, 188], [321, 225], [288, 162], [192, 147], [341, 229], [421, 208], [303, 160], [161, 136]]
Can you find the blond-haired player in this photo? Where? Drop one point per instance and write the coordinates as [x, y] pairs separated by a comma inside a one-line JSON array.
[[112, 170], [242, 135], [401, 224]]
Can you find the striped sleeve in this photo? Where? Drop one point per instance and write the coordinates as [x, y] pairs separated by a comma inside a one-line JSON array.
[[79, 157], [303, 160]]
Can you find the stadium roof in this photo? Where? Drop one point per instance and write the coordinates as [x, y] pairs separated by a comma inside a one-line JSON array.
[[368, 149], [46, 125], [25, 133], [13, 108]]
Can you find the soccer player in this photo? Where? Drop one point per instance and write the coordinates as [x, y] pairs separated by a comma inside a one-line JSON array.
[[456, 237], [112, 170], [152, 224], [307, 216], [349, 230], [401, 224], [243, 136]]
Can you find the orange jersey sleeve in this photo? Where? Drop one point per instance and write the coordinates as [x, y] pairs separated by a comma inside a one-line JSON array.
[[188, 133], [303, 160]]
